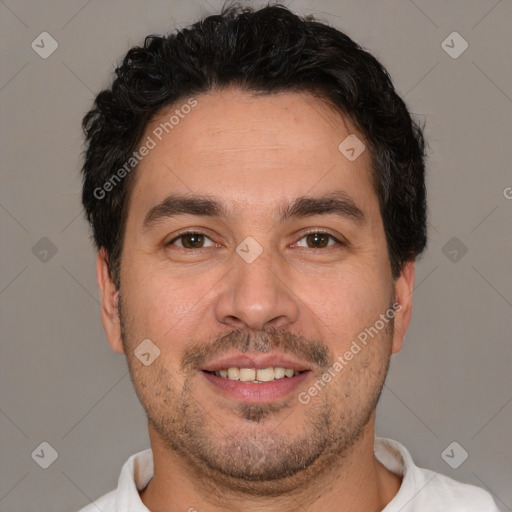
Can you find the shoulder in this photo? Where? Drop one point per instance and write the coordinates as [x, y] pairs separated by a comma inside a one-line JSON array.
[[106, 504], [136, 472], [457, 496], [424, 490]]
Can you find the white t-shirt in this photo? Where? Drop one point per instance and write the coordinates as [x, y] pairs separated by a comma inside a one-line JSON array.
[[422, 490]]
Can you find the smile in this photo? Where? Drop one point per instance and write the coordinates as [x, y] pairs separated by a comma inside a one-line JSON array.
[[251, 385], [256, 375]]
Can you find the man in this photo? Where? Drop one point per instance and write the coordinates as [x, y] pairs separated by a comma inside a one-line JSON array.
[[256, 192]]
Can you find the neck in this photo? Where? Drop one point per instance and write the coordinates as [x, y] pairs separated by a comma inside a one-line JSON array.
[[354, 481]]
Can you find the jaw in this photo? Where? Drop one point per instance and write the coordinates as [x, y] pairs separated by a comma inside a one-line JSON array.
[[219, 486]]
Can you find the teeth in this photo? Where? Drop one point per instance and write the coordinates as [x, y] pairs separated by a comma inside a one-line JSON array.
[[233, 373], [256, 375], [265, 374], [247, 374], [279, 372]]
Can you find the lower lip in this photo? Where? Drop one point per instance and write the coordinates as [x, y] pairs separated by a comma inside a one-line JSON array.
[[257, 393]]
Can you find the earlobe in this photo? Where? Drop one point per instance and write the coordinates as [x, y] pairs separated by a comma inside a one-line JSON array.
[[109, 302], [404, 286]]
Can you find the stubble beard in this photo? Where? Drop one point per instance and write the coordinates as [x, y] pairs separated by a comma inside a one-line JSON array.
[[254, 458]]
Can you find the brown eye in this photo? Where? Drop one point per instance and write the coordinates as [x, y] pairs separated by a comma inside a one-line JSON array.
[[191, 241], [318, 240]]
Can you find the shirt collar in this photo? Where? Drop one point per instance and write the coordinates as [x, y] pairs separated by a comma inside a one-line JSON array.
[[135, 476]]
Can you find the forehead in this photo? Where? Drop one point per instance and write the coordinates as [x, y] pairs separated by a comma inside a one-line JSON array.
[[250, 150]]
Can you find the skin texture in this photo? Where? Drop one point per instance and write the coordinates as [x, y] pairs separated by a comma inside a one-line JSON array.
[[212, 452]]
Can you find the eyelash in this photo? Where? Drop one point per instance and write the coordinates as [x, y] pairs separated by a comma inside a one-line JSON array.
[[313, 232]]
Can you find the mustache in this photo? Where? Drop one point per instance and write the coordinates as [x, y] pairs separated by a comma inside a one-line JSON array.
[[271, 340]]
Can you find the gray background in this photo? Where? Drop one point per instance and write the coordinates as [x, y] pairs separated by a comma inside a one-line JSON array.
[[61, 383]]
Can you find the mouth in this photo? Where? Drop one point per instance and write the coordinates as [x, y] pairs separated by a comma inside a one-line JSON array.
[[256, 379], [255, 375]]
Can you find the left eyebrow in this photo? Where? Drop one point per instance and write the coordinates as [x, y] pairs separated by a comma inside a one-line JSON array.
[[337, 203]]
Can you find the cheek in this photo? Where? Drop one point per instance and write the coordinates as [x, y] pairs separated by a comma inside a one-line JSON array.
[[347, 303], [165, 310]]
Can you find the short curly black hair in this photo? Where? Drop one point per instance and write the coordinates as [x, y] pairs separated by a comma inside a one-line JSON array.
[[262, 51]]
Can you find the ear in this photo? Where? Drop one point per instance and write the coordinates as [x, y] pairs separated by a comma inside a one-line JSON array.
[[109, 297], [404, 286]]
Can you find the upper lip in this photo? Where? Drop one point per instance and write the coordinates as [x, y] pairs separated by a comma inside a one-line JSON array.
[[257, 361]]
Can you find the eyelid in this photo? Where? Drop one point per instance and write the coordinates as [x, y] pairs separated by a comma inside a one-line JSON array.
[[189, 232], [339, 240]]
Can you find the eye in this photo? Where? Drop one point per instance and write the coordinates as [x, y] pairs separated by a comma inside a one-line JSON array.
[[318, 240], [192, 240]]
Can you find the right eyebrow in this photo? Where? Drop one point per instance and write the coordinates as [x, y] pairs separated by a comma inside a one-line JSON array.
[[174, 205]]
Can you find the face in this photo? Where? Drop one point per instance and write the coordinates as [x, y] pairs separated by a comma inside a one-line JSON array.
[[254, 258]]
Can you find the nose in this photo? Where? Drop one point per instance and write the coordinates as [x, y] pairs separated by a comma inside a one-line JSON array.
[[256, 295]]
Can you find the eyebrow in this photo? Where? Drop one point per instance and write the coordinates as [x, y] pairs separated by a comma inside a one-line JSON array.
[[174, 205], [334, 203]]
